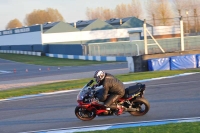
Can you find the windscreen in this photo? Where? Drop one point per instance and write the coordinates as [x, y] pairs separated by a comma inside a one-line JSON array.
[[81, 94]]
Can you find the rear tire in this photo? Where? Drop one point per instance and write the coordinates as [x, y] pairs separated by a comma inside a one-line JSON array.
[[139, 103], [83, 114]]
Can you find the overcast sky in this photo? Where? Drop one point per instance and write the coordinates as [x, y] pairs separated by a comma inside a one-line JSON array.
[[72, 10]]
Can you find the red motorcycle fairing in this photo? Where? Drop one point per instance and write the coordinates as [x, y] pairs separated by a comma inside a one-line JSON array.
[[92, 107]]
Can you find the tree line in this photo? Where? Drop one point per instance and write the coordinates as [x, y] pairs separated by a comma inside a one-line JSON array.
[[153, 10], [37, 17], [158, 11]]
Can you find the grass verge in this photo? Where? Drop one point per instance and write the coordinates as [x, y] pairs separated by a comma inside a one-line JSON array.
[[48, 61], [187, 127], [73, 84]]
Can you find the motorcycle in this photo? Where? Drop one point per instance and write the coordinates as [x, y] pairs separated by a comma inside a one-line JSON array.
[[89, 106]]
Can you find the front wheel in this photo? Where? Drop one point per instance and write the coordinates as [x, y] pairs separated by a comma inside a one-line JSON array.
[[142, 106], [84, 114]]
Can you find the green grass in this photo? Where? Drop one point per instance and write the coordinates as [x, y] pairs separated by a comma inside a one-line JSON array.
[[73, 84], [153, 74], [48, 61], [193, 127]]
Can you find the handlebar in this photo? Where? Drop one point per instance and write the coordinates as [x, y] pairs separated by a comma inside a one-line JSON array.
[[91, 81]]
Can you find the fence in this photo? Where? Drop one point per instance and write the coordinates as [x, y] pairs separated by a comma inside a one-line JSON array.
[[165, 35]]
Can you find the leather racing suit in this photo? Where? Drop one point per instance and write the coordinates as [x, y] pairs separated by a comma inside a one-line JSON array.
[[114, 87]]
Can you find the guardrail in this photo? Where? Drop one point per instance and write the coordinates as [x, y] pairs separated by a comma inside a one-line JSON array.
[[21, 52], [94, 58]]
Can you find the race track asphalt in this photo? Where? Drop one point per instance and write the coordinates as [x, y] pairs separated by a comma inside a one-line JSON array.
[[21, 75], [172, 98]]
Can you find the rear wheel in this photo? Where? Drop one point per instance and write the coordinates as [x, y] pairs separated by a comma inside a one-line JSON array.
[[142, 106], [84, 114]]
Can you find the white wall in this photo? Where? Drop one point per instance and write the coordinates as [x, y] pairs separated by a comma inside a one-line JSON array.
[[104, 34], [36, 37], [86, 35], [21, 39], [163, 30], [61, 37]]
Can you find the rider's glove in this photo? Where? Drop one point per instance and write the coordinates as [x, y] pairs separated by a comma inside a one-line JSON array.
[[94, 86]]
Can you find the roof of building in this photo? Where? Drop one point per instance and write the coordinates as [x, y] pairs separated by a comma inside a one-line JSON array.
[[60, 27], [117, 21], [98, 25], [82, 23], [48, 25]]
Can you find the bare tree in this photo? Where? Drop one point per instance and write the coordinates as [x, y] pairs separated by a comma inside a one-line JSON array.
[[151, 10], [124, 11], [15, 23], [43, 16], [187, 7], [120, 11], [99, 13], [194, 6], [164, 12], [135, 9], [159, 11], [180, 6], [108, 14], [192, 15], [196, 12], [54, 15], [90, 13]]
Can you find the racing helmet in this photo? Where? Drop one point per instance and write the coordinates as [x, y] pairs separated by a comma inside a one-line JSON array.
[[99, 75]]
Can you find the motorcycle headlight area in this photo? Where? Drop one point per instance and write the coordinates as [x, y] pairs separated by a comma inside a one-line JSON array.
[[86, 100]]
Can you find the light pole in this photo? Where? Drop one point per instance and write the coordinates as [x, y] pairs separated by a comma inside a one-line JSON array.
[[154, 24], [187, 21], [179, 12], [195, 20]]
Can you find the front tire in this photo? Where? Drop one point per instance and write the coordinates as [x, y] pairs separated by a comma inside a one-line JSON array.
[[83, 114], [142, 105]]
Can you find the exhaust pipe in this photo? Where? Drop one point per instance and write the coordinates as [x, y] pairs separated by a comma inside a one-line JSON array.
[[131, 109]]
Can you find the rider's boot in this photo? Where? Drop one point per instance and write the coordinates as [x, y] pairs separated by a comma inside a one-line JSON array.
[[120, 109]]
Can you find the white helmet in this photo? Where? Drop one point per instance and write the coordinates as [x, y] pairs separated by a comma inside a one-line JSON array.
[[99, 75]]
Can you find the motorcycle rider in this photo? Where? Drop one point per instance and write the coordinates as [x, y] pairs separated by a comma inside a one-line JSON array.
[[112, 86]]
